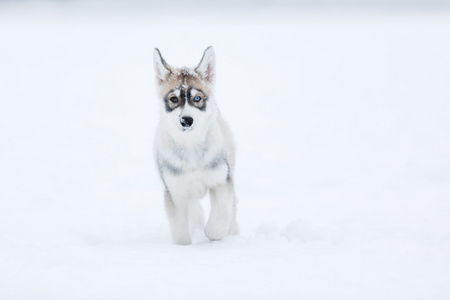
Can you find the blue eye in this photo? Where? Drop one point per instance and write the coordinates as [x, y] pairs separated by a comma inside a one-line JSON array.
[[197, 98]]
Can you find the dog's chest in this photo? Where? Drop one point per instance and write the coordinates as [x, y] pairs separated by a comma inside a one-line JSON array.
[[189, 174]]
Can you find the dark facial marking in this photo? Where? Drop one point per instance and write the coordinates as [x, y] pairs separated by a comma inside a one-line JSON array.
[[171, 101], [198, 103]]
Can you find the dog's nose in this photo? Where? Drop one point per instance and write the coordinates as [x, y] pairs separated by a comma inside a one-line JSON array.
[[186, 121]]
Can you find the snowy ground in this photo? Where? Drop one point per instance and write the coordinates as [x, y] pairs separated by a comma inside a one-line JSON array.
[[342, 122]]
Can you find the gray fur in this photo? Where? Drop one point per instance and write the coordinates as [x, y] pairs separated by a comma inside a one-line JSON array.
[[165, 165], [217, 161]]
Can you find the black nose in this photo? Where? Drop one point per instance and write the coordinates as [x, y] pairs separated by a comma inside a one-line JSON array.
[[186, 121]]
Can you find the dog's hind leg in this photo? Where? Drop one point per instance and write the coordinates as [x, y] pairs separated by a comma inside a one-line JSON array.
[[178, 215], [234, 227], [222, 199]]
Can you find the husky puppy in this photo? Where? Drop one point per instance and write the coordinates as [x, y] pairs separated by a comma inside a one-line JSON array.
[[194, 151]]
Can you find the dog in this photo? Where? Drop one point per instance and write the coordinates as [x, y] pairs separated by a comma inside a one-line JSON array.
[[194, 151]]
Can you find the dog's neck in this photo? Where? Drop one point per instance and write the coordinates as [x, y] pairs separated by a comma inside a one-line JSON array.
[[191, 143]]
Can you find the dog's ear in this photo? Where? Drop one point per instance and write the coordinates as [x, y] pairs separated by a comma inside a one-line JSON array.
[[207, 66], [162, 69]]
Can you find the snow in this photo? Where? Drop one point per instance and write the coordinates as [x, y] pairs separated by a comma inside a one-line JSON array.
[[342, 123]]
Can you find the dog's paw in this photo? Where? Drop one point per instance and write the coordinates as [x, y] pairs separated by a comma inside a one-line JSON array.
[[234, 229], [214, 232], [182, 241]]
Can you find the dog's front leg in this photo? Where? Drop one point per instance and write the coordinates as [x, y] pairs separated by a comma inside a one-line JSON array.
[[222, 198], [178, 213]]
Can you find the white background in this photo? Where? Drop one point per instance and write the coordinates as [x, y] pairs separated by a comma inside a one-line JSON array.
[[342, 124]]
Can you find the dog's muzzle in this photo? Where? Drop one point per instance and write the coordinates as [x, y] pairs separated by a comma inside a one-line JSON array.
[[186, 122]]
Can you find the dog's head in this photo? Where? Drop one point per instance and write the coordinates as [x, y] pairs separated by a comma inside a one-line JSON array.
[[186, 93]]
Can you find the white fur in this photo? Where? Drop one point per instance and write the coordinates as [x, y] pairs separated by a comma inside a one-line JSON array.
[[207, 65], [160, 70], [195, 161]]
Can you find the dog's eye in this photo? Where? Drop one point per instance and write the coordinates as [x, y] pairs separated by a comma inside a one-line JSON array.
[[197, 98], [173, 99]]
